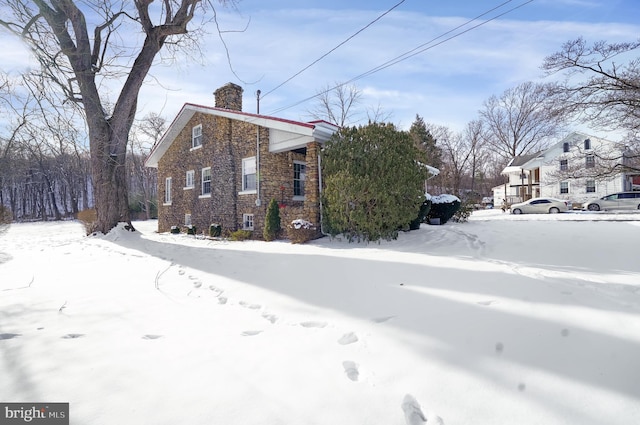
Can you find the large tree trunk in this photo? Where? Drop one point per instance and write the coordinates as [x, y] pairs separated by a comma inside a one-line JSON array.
[[109, 178]]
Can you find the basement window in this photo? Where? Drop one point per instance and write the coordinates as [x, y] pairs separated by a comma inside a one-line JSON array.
[[247, 221]]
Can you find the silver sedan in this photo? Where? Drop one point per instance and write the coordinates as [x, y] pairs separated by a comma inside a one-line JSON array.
[[540, 206]]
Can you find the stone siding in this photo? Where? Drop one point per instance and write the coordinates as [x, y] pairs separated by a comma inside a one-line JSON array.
[[225, 143]]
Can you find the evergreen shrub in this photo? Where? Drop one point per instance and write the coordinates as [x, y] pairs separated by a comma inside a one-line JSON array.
[[272, 221], [443, 207], [374, 182], [425, 207], [215, 230], [462, 215], [240, 235]]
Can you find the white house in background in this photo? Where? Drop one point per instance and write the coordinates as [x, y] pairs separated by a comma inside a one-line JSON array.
[[563, 171]]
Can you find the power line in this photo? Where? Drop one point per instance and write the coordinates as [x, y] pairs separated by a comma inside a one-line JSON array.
[[417, 50], [334, 49]]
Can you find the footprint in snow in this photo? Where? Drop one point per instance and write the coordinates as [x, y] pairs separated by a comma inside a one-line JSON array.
[[251, 333], [250, 306], [487, 303], [216, 290], [222, 300], [413, 414], [197, 284], [351, 369], [312, 324], [383, 319], [72, 336], [151, 336], [9, 336], [348, 338], [270, 317]]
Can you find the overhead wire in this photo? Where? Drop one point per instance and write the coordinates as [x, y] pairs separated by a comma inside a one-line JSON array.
[[415, 51], [334, 49]]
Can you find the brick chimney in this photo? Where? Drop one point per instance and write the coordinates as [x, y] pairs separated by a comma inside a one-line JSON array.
[[229, 96]]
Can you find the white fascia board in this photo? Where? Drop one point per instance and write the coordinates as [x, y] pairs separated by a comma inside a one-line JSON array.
[[169, 136]]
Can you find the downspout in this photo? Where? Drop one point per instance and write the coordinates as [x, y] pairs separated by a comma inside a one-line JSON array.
[[258, 202]]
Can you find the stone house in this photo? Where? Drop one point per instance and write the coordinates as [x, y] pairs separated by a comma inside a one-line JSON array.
[[569, 170], [221, 165]]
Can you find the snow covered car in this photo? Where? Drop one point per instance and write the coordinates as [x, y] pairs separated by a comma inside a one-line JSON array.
[[616, 201], [540, 206]]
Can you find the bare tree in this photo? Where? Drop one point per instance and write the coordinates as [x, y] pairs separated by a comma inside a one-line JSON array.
[[145, 134], [42, 163], [78, 44], [475, 137], [598, 90], [337, 105], [521, 120]]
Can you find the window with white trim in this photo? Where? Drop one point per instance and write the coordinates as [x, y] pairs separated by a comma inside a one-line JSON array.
[[565, 147], [564, 187], [591, 186], [206, 181], [299, 177], [590, 161], [167, 191], [587, 144], [190, 179], [249, 173], [247, 221], [196, 136]]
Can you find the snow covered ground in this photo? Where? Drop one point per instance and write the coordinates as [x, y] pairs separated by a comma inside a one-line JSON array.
[[502, 320]]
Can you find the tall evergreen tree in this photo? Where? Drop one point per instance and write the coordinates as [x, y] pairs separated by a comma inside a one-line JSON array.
[[374, 182], [426, 142]]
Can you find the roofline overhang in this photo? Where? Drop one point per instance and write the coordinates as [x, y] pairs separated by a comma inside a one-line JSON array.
[[320, 131]]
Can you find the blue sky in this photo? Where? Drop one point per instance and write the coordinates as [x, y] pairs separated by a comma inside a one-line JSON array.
[[446, 84]]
